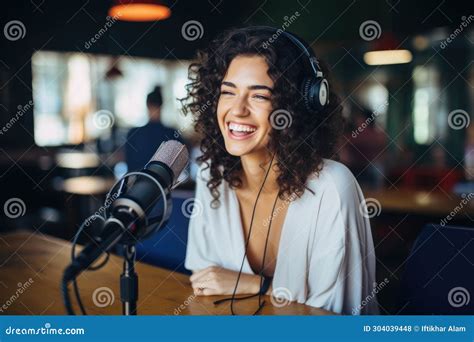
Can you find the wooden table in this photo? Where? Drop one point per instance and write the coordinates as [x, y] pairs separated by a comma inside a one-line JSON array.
[[430, 203], [25, 255]]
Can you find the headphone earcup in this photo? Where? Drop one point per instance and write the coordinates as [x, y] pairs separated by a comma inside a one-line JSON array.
[[315, 93]]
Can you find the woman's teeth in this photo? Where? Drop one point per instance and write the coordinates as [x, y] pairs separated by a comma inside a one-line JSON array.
[[236, 128]]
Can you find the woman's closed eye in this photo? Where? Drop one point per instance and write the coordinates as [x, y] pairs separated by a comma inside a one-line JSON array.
[[261, 97], [226, 92]]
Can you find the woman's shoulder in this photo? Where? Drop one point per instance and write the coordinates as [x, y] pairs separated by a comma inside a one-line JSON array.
[[334, 176], [338, 199], [331, 172]]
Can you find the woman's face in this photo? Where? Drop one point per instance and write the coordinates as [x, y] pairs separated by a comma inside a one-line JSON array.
[[245, 105]]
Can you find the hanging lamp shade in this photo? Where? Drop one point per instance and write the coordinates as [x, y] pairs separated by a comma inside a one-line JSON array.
[[139, 10]]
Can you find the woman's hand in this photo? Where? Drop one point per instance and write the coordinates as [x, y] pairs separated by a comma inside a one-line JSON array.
[[220, 281]]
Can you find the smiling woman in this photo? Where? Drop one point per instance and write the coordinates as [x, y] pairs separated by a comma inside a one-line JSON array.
[[279, 216]]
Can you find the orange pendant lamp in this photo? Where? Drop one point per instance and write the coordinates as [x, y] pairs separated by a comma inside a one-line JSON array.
[[139, 10]]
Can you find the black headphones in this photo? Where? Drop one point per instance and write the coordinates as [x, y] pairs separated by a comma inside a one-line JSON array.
[[314, 88]]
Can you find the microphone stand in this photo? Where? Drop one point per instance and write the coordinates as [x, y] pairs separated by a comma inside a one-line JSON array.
[[129, 278], [129, 282]]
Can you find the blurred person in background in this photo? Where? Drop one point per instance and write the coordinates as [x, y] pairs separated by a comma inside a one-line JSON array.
[[142, 142]]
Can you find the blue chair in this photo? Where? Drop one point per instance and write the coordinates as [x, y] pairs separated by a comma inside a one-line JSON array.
[[439, 274], [167, 247]]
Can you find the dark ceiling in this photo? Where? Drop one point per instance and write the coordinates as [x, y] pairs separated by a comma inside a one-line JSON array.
[[67, 25]]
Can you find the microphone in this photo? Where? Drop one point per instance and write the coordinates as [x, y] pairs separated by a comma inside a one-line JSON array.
[[128, 222]]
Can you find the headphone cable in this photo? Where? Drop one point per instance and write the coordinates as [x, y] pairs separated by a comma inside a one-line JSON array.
[[232, 299]]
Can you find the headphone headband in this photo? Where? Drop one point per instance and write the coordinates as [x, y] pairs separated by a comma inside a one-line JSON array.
[[313, 60]]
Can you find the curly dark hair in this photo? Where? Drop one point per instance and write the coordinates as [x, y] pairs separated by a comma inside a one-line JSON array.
[[299, 148]]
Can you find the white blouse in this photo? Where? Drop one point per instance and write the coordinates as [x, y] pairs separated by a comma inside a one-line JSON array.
[[326, 255]]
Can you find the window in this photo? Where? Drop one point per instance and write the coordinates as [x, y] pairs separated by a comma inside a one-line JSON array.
[[71, 89], [427, 108]]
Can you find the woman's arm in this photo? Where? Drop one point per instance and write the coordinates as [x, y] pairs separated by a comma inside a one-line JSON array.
[[216, 280]]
